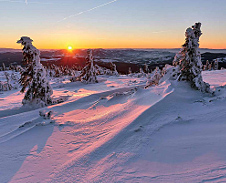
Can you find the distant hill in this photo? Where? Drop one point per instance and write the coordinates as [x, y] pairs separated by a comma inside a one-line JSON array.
[[123, 58]]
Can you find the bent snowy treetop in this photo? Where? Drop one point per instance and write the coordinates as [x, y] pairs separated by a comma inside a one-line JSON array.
[[24, 39]]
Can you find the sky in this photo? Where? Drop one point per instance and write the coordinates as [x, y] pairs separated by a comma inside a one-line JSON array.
[[57, 24]]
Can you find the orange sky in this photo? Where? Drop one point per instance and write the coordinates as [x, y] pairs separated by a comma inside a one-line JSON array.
[[160, 40], [120, 24]]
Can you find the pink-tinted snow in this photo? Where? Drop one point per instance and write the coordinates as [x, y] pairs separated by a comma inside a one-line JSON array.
[[116, 131]]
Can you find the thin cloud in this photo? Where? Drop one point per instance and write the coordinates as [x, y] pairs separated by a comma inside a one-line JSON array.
[[78, 14], [11, 1], [24, 2], [157, 32]]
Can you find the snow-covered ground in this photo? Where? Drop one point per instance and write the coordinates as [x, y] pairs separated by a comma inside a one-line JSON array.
[[117, 131]]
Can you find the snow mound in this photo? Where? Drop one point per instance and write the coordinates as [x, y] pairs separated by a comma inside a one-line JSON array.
[[117, 131]]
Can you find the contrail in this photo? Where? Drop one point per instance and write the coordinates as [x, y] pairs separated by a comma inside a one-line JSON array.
[[100, 6]]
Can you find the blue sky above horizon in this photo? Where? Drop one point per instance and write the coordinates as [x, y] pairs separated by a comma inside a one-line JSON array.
[[111, 24]]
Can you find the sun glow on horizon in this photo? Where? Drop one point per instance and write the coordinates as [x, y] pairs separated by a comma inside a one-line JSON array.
[[70, 48]]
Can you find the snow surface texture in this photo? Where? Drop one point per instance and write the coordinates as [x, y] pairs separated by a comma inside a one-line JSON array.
[[116, 131]]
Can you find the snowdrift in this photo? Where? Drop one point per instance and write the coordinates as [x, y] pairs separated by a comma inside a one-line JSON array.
[[117, 131]]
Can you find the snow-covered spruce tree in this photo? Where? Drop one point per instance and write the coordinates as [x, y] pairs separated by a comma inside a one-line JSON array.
[[10, 83], [155, 78], [88, 73], [130, 73], [100, 70], [14, 80], [11, 67], [114, 68], [188, 60], [74, 75], [50, 73], [210, 67], [206, 66], [216, 64], [58, 72], [3, 67], [6, 86], [141, 73], [34, 77], [146, 69]]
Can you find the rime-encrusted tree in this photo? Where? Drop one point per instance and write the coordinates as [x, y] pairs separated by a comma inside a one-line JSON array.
[[58, 72], [216, 64], [11, 67], [130, 72], [6, 86], [88, 74], [206, 67], [141, 73], [100, 70], [210, 67], [3, 67], [188, 60], [10, 83], [114, 68], [34, 77], [155, 78], [146, 68], [115, 72]]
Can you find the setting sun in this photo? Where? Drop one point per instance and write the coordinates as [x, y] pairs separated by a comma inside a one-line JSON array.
[[69, 48]]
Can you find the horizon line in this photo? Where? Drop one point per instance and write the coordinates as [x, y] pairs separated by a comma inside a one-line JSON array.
[[108, 48]]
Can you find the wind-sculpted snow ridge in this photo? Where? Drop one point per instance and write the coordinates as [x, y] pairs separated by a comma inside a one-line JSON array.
[[77, 127], [117, 131], [170, 141]]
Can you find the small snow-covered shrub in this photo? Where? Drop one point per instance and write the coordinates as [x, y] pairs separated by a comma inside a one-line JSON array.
[[100, 70], [141, 73], [5, 86], [10, 82], [155, 78], [14, 80], [104, 71], [74, 77], [130, 73], [45, 115], [146, 69]]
